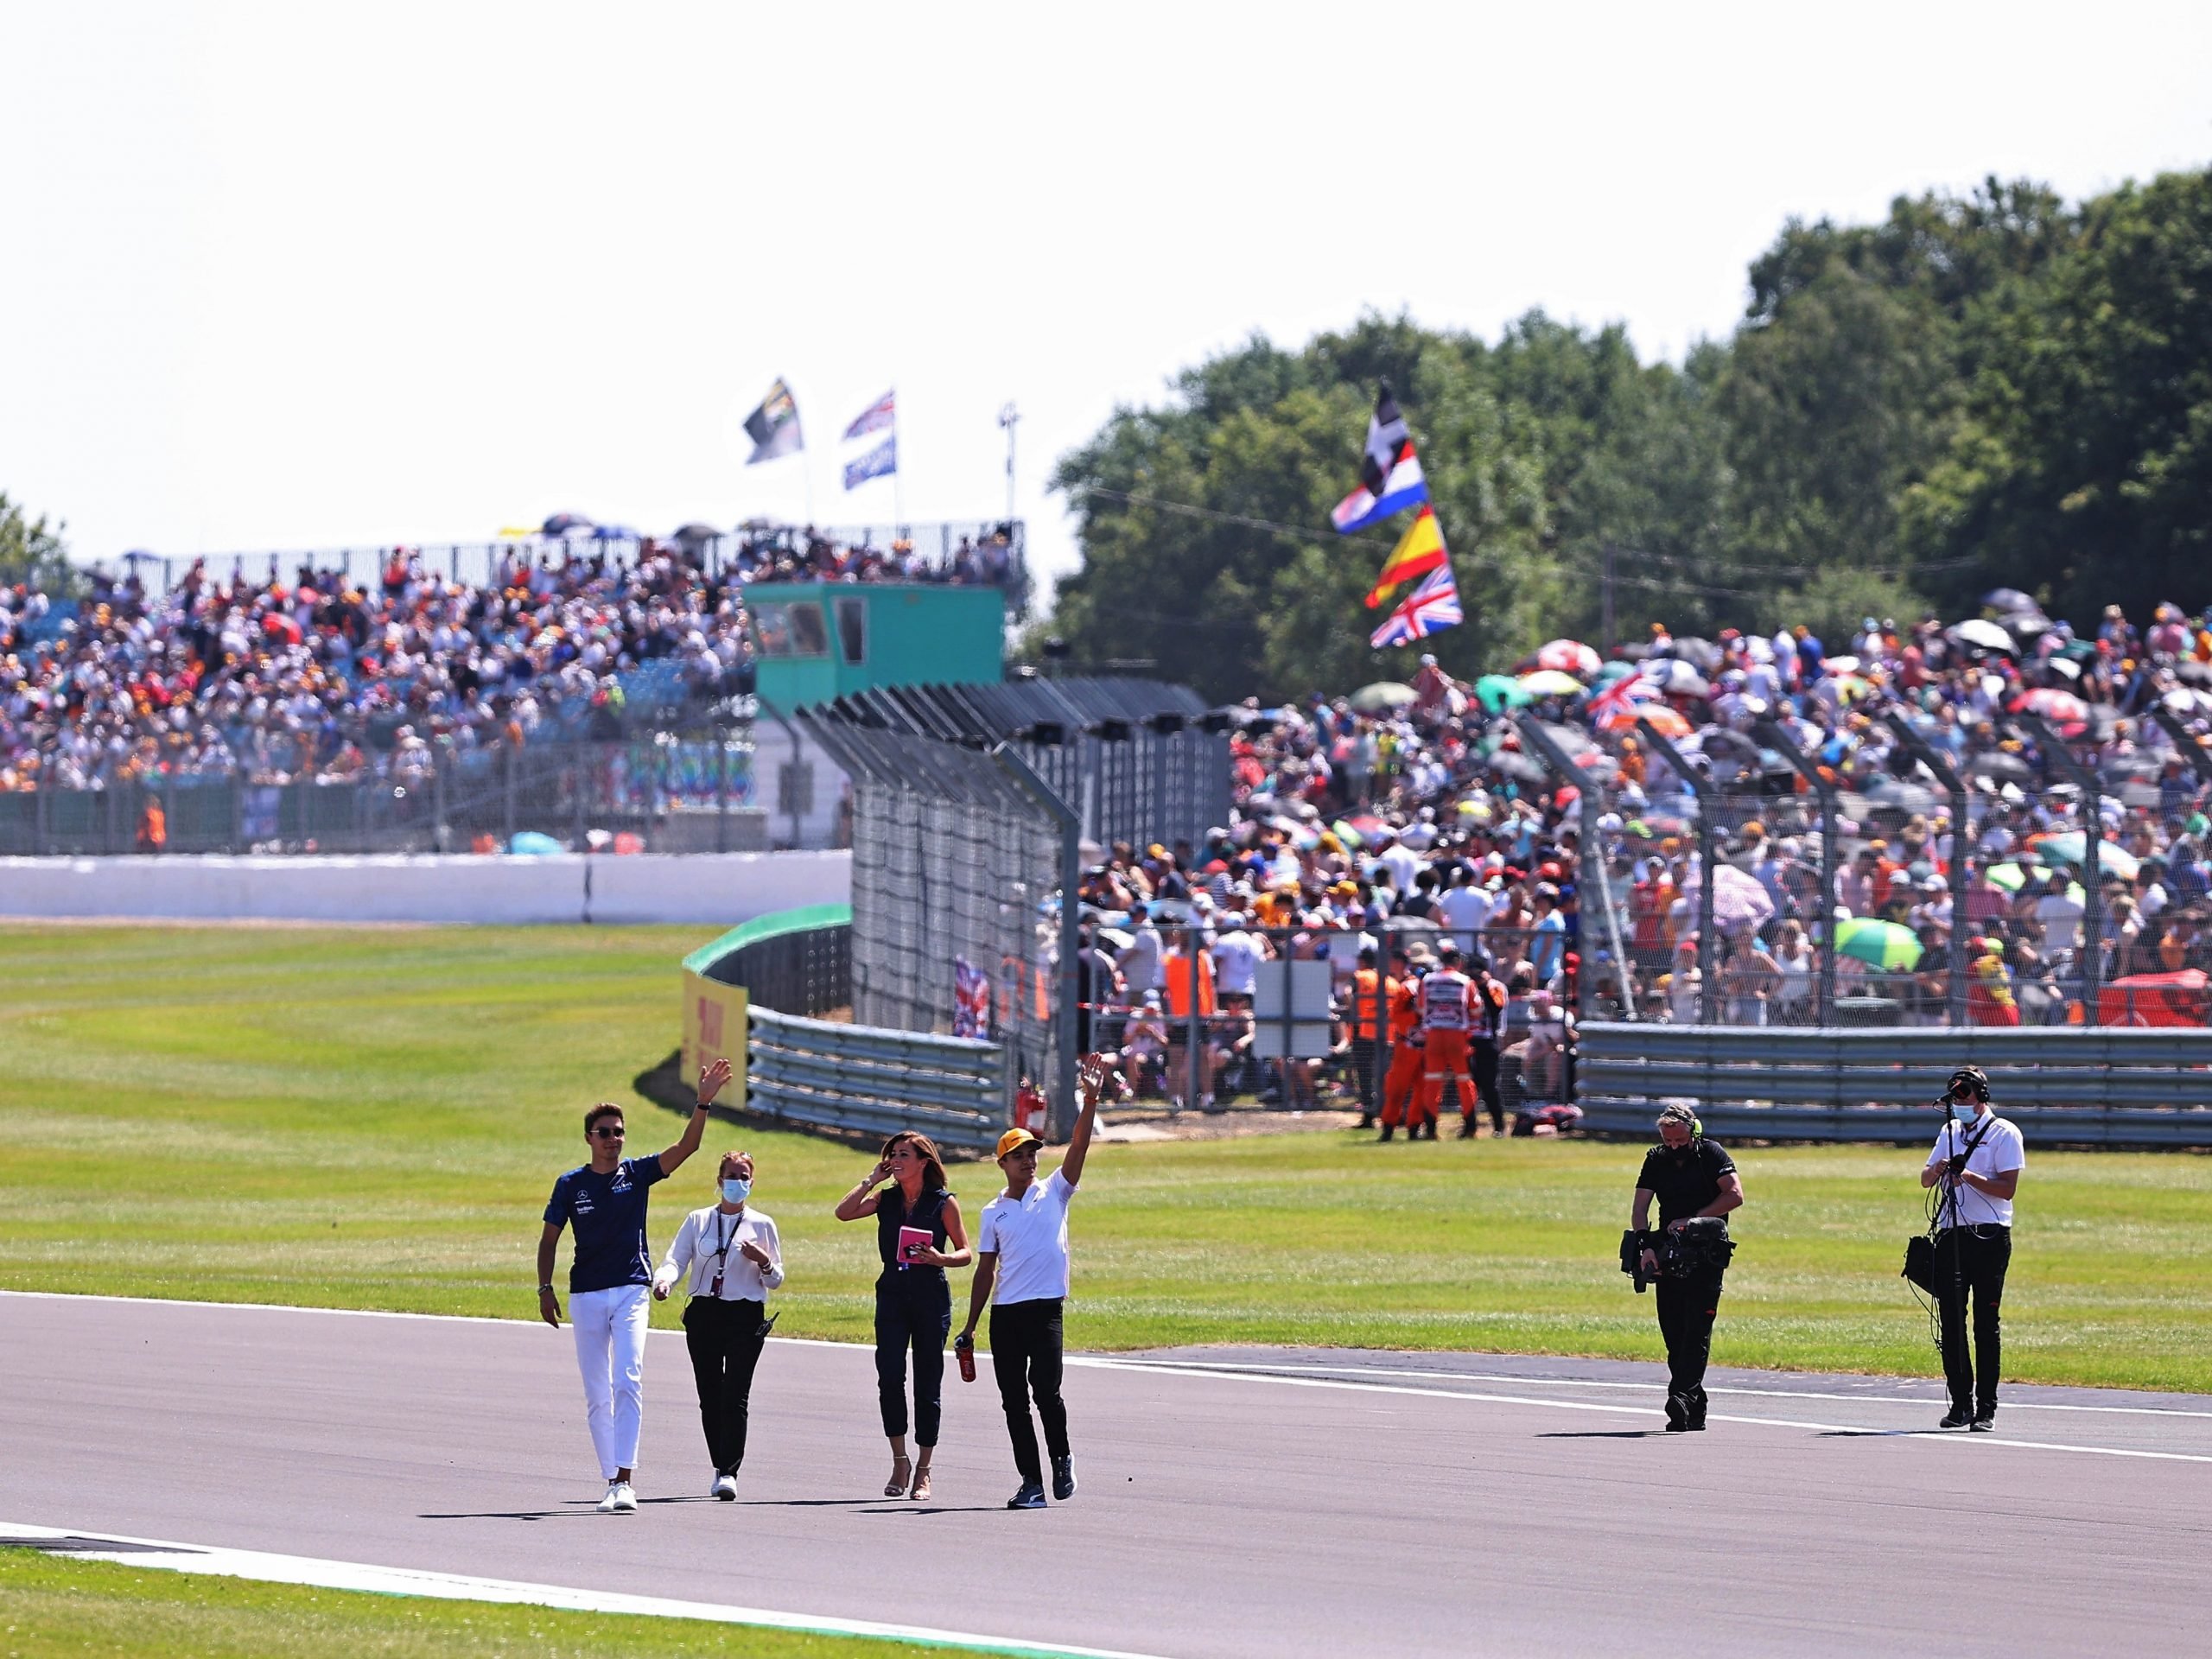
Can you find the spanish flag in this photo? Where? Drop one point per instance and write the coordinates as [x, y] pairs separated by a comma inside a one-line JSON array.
[[1419, 551]]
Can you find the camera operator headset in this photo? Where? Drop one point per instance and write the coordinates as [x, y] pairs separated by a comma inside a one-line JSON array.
[[1971, 1175], [1696, 1181]]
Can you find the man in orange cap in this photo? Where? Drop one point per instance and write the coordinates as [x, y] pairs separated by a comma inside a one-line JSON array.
[[1021, 1272]]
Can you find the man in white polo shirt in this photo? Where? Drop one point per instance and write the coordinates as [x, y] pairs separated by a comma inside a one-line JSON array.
[[1021, 1271], [1977, 1162]]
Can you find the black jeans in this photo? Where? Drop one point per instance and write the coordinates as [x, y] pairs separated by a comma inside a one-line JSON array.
[[1482, 1065], [1970, 1264], [919, 1316], [1026, 1360], [1686, 1311], [725, 1339]]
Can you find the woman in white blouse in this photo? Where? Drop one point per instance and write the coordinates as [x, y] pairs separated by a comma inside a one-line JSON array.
[[731, 1253]]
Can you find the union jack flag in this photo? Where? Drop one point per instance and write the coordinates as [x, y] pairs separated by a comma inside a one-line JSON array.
[[1622, 695], [1430, 608], [877, 415]]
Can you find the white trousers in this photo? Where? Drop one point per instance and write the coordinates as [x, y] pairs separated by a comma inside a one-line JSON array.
[[610, 1327]]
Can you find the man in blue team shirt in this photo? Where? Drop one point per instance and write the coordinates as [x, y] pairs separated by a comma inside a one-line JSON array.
[[610, 1280]]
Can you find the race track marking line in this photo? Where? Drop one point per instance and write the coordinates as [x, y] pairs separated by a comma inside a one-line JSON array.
[[455, 1586], [1266, 1367], [1857, 1431], [1227, 1372]]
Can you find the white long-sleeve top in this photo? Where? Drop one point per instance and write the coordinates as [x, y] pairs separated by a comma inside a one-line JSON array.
[[698, 1248]]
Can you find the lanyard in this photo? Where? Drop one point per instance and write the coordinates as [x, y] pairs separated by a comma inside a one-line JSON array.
[[721, 1251]]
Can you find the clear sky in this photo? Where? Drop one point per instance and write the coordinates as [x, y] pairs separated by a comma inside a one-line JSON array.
[[311, 275]]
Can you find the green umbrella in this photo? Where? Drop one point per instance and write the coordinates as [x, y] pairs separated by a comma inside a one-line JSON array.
[[1497, 691], [2012, 877], [2111, 860], [1879, 945], [1382, 697]]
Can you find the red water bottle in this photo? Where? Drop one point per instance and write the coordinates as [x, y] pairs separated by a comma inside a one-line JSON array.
[[963, 1348]]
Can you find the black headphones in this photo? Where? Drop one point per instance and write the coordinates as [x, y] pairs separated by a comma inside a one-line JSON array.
[[1973, 1075]]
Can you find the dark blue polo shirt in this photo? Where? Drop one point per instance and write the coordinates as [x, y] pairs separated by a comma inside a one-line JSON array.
[[609, 1214]]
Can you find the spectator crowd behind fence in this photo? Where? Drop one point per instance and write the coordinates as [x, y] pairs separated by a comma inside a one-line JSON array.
[[413, 674]]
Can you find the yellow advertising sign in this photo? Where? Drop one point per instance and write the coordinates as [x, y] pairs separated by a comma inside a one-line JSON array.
[[715, 1027]]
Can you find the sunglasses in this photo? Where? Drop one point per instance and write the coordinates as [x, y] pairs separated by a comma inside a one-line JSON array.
[[606, 1134]]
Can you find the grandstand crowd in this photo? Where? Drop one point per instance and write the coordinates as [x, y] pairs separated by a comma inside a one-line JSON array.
[[1406, 815], [322, 676]]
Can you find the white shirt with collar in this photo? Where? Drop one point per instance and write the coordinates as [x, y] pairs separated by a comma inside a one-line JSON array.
[[1029, 1235], [698, 1248], [1998, 1150]]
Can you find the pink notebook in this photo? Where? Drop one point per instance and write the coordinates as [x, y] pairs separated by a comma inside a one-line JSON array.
[[910, 1236]]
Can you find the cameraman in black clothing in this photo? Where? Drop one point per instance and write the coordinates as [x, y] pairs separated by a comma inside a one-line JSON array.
[[1690, 1176]]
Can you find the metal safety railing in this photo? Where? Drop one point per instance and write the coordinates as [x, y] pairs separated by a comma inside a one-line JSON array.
[[864, 1079], [2083, 1086]]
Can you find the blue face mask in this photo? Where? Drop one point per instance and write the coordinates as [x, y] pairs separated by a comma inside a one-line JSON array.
[[736, 1192]]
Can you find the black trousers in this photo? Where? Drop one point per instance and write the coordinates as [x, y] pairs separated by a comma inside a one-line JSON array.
[[1970, 1265], [1685, 1310], [917, 1315], [1363, 1070], [725, 1339], [1026, 1360], [1482, 1065]]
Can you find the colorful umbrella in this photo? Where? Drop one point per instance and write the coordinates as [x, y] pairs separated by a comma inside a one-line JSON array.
[[1739, 899], [1380, 695], [1568, 657], [1885, 945], [1498, 691], [1551, 682], [1669, 723], [2012, 877], [2111, 860], [2052, 704]]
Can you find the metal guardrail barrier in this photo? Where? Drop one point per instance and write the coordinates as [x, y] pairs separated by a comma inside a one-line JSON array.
[[2083, 1086], [866, 1080]]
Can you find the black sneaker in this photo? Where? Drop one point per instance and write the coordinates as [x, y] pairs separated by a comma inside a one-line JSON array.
[[1030, 1496], [1388, 1129], [1697, 1411], [1063, 1479], [1984, 1420], [1678, 1415], [1957, 1417], [1466, 1129]]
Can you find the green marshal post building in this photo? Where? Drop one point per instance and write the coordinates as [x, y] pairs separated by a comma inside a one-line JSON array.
[[814, 641]]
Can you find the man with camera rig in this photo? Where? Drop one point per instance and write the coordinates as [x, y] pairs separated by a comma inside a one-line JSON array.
[[1977, 1163], [1696, 1181]]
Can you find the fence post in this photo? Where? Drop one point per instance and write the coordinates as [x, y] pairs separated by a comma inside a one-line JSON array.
[[1770, 731], [1585, 791], [1961, 851], [722, 784], [1071, 970], [1708, 998], [2055, 753]]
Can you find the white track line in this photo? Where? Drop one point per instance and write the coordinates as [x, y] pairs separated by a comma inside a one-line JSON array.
[[455, 1586], [1264, 1366], [1855, 1430], [1224, 1373]]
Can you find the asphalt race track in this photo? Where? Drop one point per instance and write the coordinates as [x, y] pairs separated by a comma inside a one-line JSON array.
[[1265, 1503]]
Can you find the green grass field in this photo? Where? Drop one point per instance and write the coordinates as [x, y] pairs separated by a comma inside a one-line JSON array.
[[372, 1118], [54, 1605]]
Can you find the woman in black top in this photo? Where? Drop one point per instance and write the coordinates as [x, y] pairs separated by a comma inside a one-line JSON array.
[[913, 1302]]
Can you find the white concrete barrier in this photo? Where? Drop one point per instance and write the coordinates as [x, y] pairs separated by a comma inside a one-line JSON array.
[[721, 889]]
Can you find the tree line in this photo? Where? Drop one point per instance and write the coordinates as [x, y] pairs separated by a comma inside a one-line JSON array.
[[1992, 389]]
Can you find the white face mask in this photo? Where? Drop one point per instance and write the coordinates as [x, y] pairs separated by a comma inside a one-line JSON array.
[[736, 1191]]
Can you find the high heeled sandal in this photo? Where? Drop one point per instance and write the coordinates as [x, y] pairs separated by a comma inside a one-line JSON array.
[[896, 1486], [921, 1493]]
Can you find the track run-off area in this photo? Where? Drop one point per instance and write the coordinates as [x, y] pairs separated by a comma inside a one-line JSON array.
[[1262, 1502]]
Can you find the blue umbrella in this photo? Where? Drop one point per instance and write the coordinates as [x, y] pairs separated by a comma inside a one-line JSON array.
[[562, 523], [614, 533]]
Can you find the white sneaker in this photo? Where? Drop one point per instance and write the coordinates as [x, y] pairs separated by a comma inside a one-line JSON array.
[[621, 1500], [725, 1488], [606, 1503]]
